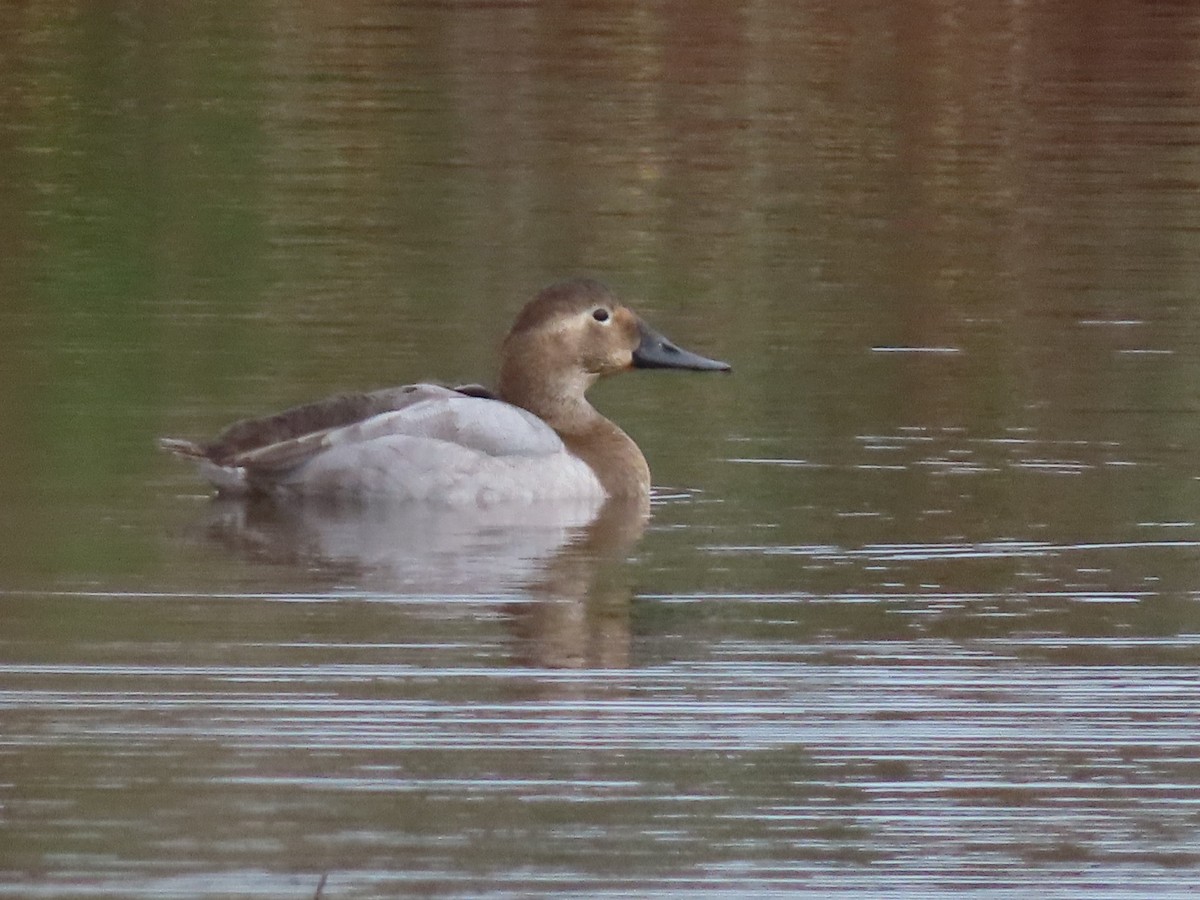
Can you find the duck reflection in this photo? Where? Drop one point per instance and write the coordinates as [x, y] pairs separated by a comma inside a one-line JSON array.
[[561, 562], [578, 611]]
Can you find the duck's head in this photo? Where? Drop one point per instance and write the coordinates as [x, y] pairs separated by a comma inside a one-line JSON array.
[[574, 332]]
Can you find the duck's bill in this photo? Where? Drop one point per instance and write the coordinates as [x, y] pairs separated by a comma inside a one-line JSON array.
[[658, 352]]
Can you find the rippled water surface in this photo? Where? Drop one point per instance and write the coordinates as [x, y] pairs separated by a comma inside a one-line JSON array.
[[917, 612]]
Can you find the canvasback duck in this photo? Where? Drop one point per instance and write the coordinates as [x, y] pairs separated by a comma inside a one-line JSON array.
[[535, 438]]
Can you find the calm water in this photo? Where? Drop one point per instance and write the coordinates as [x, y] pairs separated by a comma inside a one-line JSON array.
[[918, 610]]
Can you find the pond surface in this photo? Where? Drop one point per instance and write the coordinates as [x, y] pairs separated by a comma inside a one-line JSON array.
[[917, 612]]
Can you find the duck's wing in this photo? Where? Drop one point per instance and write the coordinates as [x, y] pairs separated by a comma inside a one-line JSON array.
[[287, 438], [251, 435], [471, 422], [447, 451]]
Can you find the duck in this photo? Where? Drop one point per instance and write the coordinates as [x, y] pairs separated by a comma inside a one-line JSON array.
[[533, 437]]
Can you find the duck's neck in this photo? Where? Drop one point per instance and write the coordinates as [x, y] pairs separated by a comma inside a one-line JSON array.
[[609, 452], [614, 457]]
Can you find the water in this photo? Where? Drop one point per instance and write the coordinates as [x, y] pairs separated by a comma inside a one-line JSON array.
[[916, 612]]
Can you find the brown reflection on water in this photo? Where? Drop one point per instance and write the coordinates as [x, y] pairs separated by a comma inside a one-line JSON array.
[[577, 614], [948, 174]]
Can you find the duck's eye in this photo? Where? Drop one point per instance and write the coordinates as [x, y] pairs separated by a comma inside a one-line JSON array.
[[600, 315]]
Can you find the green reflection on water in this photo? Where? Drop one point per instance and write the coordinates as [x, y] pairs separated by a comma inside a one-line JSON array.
[[225, 210]]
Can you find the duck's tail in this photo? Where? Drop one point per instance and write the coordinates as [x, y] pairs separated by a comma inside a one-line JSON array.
[[181, 448], [226, 479]]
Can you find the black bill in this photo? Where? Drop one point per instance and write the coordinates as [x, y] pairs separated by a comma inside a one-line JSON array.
[[657, 352]]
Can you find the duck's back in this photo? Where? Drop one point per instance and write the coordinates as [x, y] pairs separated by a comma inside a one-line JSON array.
[[440, 445]]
